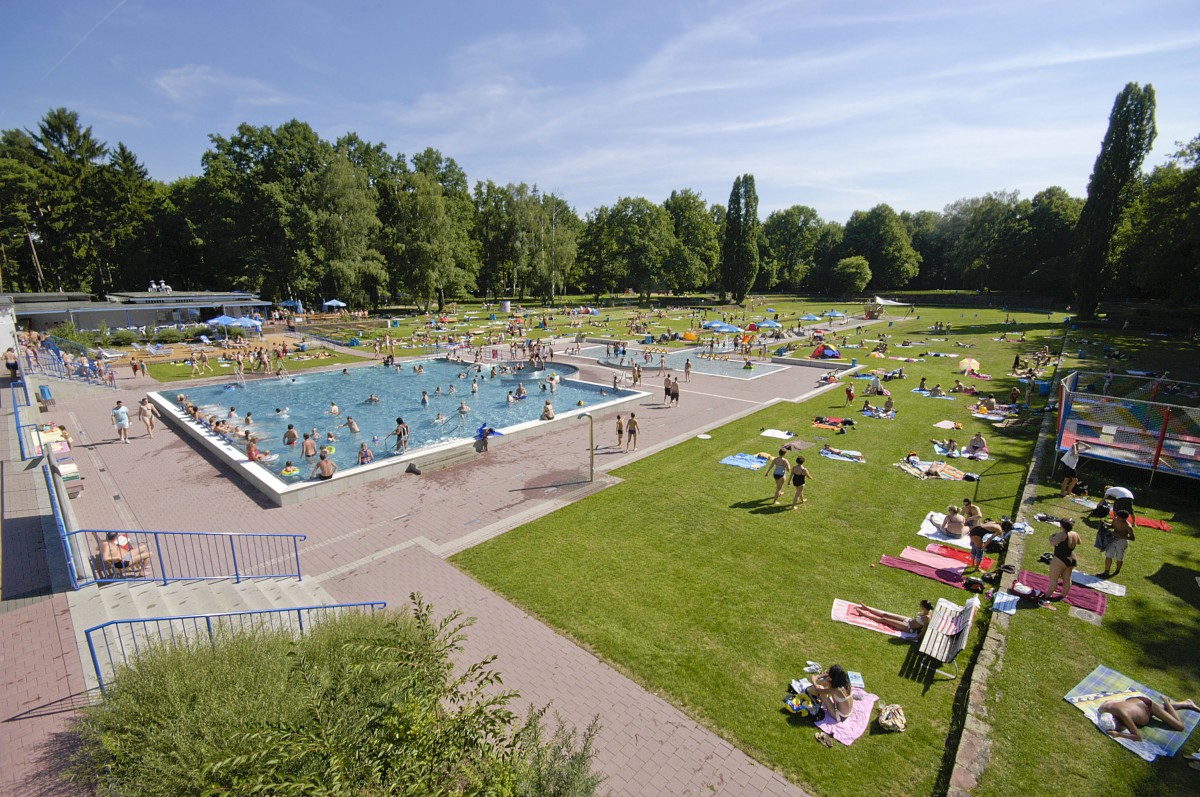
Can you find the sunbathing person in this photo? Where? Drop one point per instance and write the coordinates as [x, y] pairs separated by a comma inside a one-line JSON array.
[[912, 625], [832, 690], [868, 407], [976, 447], [953, 524], [1126, 716], [959, 387], [889, 405], [937, 390], [837, 452], [947, 445]]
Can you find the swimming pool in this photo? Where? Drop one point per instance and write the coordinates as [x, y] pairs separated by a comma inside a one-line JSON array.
[[305, 402], [732, 367]]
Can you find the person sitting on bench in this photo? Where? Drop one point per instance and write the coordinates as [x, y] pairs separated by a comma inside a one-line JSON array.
[[1124, 717]]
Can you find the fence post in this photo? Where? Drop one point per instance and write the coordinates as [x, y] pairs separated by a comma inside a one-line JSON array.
[[296, 550], [237, 574], [95, 661], [1162, 436], [162, 564], [300, 619]]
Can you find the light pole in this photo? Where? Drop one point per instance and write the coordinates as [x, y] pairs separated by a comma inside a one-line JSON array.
[[591, 444]]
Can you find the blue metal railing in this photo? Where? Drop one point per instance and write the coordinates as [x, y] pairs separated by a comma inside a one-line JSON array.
[[21, 427], [194, 556], [61, 524], [119, 642]]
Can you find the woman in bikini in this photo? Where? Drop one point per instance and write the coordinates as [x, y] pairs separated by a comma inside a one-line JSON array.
[[1063, 562], [909, 625], [800, 475], [832, 690], [954, 524], [779, 468]]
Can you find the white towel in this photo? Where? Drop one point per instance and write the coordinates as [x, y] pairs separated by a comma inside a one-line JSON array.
[[777, 433], [1099, 584], [931, 527]]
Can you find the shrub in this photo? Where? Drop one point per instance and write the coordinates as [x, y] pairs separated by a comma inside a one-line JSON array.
[[195, 331], [124, 337], [168, 335], [362, 705]]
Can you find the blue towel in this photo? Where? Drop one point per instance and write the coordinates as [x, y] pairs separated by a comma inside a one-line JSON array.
[[747, 461]]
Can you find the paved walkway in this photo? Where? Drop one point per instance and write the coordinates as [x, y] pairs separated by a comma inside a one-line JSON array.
[[390, 538]]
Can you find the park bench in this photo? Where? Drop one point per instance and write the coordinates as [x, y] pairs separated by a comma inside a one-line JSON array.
[[948, 631]]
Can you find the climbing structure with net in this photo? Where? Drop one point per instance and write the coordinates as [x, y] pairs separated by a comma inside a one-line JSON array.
[[1141, 420]]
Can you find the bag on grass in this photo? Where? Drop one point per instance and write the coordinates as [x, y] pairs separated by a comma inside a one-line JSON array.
[[1102, 510], [1028, 593], [891, 717], [803, 706]]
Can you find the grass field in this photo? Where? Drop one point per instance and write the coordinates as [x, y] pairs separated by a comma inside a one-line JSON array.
[[687, 578]]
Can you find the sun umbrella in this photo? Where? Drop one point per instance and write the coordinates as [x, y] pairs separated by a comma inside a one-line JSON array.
[[968, 364], [810, 317], [836, 314], [220, 321], [335, 303], [769, 324], [244, 321]]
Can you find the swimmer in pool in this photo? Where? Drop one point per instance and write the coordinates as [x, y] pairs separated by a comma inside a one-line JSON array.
[[333, 408], [372, 399], [291, 436], [364, 454], [282, 413], [349, 424], [289, 469], [309, 447], [329, 438], [511, 398], [424, 399], [463, 409], [401, 434], [437, 391], [439, 420]]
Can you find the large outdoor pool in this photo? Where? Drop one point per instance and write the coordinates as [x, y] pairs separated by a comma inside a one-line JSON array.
[[305, 401]]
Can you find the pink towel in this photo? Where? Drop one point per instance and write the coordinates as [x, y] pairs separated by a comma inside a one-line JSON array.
[[1084, 598], [933, 560], [947, 577], [853, 726], [847, 612]]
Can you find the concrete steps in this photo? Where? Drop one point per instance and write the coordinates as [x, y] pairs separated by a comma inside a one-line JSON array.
[[98, 604]]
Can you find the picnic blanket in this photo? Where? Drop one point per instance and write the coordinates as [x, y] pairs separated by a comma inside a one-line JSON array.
[[839, 457], [926, 394], [1089, 503], [1104, 684], [948, 425], [747, 461], [779, 433], [931, 528], [932, 559], [987, 416], [847, 612], [856, 724], [1088, 599], [1151, 523], [948, 577], [886, 416], [957, 554]]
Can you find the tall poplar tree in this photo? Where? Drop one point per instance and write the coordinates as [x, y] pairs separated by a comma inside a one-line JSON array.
[[739, 248], [1130, 135]]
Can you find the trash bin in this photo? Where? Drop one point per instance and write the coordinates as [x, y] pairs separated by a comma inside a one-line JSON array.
[[853, 361], [1043, 386]]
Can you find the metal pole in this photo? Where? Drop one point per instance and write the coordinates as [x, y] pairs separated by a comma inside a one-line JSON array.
[[591, 445]]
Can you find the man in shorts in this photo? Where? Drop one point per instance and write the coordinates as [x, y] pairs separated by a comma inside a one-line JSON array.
[[120, 419], [1122, 531]]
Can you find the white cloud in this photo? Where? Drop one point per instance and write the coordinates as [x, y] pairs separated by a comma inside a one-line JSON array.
[[195, 83]]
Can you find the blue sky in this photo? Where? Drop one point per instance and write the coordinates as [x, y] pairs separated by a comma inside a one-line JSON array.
[[837, 105]]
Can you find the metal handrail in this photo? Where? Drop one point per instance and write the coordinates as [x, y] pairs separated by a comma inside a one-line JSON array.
[[61, 524], [196, 556], [21, 427], [118, 642]]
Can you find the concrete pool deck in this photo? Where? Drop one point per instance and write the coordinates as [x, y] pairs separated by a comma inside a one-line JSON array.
[[384, 541]]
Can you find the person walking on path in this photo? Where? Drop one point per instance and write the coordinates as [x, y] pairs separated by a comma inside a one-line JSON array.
[[133, 365], [120, 419], [675, 391], [146, 414], [11, 362], [620, 431], [631, 432]]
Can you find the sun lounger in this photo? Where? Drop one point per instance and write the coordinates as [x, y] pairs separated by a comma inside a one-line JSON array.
[[948, 631]]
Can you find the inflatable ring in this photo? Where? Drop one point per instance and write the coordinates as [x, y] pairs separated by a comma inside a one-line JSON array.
[[292, 471], [329, 449], [269, 458]]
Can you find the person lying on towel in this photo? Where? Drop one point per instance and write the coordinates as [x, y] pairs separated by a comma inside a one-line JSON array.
[[1121, 719], [947, 445], [837, 452], [832, 690], [912, 625]]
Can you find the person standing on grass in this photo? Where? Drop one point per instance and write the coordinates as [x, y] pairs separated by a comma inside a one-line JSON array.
[[1062, 563], [849, 394], [631, 432], [800, 475], [779, 467], [120, 419], [1122, 531], [1070, 461]]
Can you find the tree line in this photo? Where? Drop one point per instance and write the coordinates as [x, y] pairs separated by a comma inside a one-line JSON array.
[[283, 212]]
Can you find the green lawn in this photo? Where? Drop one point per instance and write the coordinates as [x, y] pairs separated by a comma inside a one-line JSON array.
[[685, 577], [170, 371]]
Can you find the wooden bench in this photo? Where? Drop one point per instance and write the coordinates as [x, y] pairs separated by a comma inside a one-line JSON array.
[[948, 631]]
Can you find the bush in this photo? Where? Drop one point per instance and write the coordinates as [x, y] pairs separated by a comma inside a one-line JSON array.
[[124, 337], [168, 335], [195, 331], [362, 705]]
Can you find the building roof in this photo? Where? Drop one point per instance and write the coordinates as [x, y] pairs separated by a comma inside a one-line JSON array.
[[206, 298], [46, 308]]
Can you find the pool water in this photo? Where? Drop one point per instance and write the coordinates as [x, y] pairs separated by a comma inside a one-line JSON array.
[[306, 399], [677, 358]]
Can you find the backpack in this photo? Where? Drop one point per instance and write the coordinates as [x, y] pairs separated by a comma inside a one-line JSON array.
[[891, 717]]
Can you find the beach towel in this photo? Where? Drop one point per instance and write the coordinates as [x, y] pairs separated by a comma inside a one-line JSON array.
[[779, 433], [934, 560], [1151, 523], [931, 528], [856, 724], [947, 577], [908, 359], [1104, 684], [1100, 584], [847, 612], [747, 461], [1078, 499], [880, 414], [948, 425], [957, 554], [1088, 599], [828, 426], [839, 457], [917, 470], [987, 416], [980, 376], [1005, 602], [942, 452]]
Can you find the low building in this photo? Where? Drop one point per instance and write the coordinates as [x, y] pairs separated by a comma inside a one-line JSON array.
[[132, 309]]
